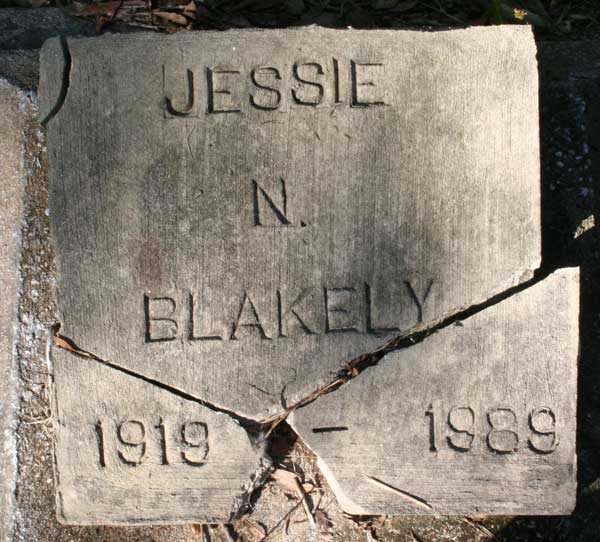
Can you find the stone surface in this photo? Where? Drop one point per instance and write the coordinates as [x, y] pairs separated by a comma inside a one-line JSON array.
[[11, 205], [479, 418], [132, 452], [244, 256]]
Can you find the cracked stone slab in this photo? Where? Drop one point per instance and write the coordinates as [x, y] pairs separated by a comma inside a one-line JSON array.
[[238, 214], [129, 452], [12, 184], [479, 418]]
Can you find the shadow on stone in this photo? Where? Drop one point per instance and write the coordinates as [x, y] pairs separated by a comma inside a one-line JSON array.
[[570, 156]]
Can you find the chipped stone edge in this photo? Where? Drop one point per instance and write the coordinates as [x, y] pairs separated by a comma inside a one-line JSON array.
[[345, 502], [257, 439], [241, 503]]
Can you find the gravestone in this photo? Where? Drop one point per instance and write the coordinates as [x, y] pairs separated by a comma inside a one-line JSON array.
[[479, 418], [237, 215]]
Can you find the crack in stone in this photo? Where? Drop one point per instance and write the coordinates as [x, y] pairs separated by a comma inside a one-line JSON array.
[[242, 502], [415, 335], [419, 501], [260, 430], [253, 427], [254, 430], [66, 82]]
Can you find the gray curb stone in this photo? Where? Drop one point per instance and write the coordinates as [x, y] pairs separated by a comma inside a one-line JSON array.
[[11, 202]]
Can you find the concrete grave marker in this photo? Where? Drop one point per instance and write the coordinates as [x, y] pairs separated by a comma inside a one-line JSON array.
[[479, 418], [130, 452], [238, 214]]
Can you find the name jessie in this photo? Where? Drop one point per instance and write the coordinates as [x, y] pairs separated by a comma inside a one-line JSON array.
[[306, 83]]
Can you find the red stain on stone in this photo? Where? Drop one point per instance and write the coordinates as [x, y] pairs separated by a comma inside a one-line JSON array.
[[144, 261]]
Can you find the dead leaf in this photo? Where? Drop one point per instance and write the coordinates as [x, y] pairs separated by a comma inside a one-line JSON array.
[[308, 487], [286, 480], [62, 343], [107, 9], [481, 528], [172, 17], [101, 21], [519, 14], [246, 526], [190, 10]]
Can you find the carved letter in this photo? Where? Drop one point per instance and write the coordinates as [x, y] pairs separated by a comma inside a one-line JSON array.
[[300, 97], [369, 316], [542, 422], [189, 106], [248, 318], [291, 309], [415, 298], [160, 324], [192, 333], [461, 419], [279, 211], [215, 91], [502, 436], [336, 81], [273, 98], [340, 316], [361, 97]]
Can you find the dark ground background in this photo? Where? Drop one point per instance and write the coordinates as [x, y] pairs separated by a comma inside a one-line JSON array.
[[568, 36], [564, 18]]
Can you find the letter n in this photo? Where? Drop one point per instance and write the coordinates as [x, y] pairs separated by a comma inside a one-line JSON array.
[[262, 201]]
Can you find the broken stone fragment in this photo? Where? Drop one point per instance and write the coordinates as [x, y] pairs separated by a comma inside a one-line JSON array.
[[479, 418], [238, 214], [129, 452]]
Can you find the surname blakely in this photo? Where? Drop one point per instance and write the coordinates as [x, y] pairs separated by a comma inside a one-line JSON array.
[[185, 315]]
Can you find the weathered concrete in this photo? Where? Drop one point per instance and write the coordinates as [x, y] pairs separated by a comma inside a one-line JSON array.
[[133, 453], [479, 418], [370, 181], [11, 205]]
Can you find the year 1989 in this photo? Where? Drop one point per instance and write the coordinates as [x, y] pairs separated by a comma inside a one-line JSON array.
[[501, 429]]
